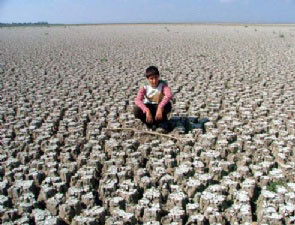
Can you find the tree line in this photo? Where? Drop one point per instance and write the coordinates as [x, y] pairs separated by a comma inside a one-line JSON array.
[[24, 24]]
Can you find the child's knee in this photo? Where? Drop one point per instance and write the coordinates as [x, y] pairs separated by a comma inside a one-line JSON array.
[[168, 107]]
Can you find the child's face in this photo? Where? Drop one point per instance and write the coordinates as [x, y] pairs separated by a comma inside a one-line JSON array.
[[153, 80]]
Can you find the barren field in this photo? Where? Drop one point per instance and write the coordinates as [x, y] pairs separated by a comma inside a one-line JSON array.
[[62, 86]]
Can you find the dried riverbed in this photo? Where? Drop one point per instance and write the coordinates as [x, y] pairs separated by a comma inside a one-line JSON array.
[[61, 86]]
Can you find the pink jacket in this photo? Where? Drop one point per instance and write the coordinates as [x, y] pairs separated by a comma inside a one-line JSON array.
[[141, 93]]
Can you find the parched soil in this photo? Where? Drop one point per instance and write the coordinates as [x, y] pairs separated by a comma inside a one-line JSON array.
[[61, 86]]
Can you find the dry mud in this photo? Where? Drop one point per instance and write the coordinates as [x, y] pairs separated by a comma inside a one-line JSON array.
[[60, 86]]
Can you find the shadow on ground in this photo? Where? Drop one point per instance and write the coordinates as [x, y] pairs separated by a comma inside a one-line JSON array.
[[186, 124]]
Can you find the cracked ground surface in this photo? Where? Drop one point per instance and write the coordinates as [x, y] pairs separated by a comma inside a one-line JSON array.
[[61, 86]]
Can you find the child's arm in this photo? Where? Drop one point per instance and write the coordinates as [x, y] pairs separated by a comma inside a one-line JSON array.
[[139, 99], [167, 96]]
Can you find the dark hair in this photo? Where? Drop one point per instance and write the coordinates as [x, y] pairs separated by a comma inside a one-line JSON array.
[[152, 70]]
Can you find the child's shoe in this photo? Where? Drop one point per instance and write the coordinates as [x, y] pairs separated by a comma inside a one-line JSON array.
[[154, 127], [164, 127]]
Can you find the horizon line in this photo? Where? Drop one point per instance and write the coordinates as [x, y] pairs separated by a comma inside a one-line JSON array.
[[135, 23]]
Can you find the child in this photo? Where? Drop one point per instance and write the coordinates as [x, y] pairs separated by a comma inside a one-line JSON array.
[[153, 99]]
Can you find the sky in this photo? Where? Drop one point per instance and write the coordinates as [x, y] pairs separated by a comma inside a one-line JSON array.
[[147, 11]]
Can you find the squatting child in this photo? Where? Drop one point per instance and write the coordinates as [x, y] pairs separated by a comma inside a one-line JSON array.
[[153, 99]]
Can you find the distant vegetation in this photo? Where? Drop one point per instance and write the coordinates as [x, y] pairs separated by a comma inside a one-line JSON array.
[[23, 24], [103, 59]]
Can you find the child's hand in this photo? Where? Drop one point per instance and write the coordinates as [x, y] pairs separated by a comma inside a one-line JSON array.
[[149, 117], [159, 114]]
